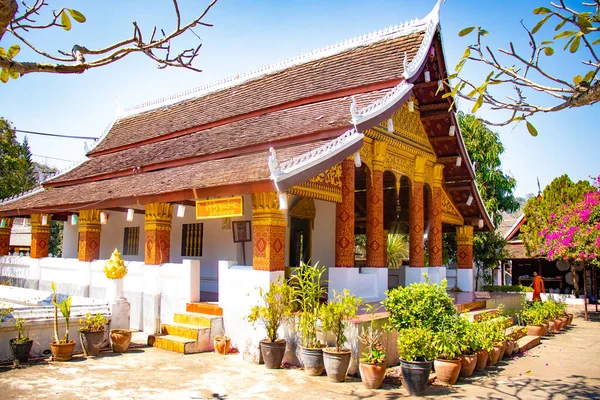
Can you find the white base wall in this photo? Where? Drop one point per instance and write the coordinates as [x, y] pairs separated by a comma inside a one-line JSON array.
[[238, 293], [415, 275], [436, 274], [562, 298], [465, 280], [368, 283]]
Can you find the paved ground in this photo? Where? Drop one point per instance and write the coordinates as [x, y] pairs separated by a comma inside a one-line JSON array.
[[566, 366]]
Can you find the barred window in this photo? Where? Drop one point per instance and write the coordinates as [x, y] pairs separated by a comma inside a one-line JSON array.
[[191, 240], [131, 241]]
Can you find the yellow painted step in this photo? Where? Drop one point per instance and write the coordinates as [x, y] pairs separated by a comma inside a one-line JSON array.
[[204, 308], [169, 342], [195, 319], [183, 330]]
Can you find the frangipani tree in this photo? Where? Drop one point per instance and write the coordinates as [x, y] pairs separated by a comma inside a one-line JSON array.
[[573, 232]]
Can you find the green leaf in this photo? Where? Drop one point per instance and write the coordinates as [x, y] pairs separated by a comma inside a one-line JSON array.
[[483, 32], [548, 51], [542, 10], [445, 95], [568, 43], [472, 93], [547, 42], [521, 118], [495, 82], [560, 24], [540, 24], [13, 74], [459, 66], [65, 21], [575, 45], [565, 34], [77, 16], [466, 31], [13, 51], [477, 104], [466, 54], [4, 75], [452, 76], [2, 52], [589, 76], [577, 79], [531, 129], [584, 22], [595, 42]]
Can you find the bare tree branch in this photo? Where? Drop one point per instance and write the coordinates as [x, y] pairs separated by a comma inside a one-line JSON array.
[[80, 58]]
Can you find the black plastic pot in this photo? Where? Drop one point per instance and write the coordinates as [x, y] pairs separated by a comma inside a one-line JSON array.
[[313, 361], [415, 375], [20, 351], [272, 352], [91, 342]]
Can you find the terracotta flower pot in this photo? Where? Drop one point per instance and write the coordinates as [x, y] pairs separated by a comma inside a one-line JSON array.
[[119, 339], [565, 322], [509, 348], [222, 344], [502, 351], [570, 319], [447, 371], [372, 375], [312, 359], [336, 363], [535, 330], [91, 341], [557, 325], [482, 359], [551, 326], [546, 326], [62, 351], [467, 364], [494, 355]]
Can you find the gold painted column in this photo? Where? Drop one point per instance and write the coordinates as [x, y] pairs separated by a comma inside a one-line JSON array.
[[158, 233], [435, 218], [268, 232], [40, 235], [464, 242], [344, 218], [416, 217], [375, 248], [89, 235], [5, 236]]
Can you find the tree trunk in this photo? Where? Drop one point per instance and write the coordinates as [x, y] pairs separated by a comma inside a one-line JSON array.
[[585, 301], [575, 282]]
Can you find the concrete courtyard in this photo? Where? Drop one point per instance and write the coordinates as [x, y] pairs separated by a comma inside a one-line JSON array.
[[566, 366]]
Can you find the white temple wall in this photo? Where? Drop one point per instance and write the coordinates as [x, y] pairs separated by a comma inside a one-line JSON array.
[[113, 233], [70, 240], [323, 236]]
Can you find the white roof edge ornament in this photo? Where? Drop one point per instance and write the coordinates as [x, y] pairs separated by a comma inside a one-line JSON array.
[[432, 21], [22, 195], [392, 32], [381, 105], [302, 162]]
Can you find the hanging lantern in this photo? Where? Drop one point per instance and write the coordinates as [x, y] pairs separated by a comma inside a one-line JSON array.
[[103, 218], [130, 213], [74, 219], [180, 210]]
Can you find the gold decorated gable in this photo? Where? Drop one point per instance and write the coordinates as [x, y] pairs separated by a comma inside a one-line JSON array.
[[450, 213], [304, 208], [325, 186]]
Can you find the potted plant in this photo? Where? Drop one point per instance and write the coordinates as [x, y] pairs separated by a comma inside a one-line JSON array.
[[91, 333], [20, 347], [416, 358], [373, 362], [334, 317], [276, 309], [485, 343], [222, 343], [62, 349], [533, 317], [470, 346], [448, 343], [496, 333], [309, 293]]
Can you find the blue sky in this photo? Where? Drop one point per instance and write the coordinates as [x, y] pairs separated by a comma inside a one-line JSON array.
[[247, 35]]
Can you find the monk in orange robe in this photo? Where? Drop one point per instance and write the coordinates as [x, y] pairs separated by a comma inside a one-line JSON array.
[[538, 287]]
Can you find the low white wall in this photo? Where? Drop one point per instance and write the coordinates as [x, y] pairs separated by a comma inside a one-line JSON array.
[[562, 298], [465, 280], [368, 283], [154, 292]]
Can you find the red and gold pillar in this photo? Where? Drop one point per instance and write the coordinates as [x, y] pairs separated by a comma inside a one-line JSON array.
[[416, 217], [435, 219], [5, 236], [89, 235], [40, 235], [464, 241], [344, 218], [158, 233], [268, 228], [375, 247]]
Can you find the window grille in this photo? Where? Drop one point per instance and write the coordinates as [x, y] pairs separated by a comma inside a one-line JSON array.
[[131, 241], [191, 240]]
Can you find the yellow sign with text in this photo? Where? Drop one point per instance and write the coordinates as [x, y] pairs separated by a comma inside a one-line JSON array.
[[220, 208]]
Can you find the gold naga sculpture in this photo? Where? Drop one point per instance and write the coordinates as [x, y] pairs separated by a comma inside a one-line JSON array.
[[115, 267]]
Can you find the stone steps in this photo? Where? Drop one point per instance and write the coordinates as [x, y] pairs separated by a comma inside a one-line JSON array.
[[204, 308], [528, 342], [190, 332]]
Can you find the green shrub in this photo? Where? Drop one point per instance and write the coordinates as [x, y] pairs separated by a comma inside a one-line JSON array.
[[416, 344], [309, 290], [336, 313], [506, 288], [276, 308], [450, 340], [420, 305], [92, 323], [535, 313]]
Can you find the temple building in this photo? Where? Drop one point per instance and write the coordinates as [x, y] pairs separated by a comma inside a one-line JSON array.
[[263, 171]]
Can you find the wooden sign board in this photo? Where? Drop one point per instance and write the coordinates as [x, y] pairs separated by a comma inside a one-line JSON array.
[[220, 208]]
